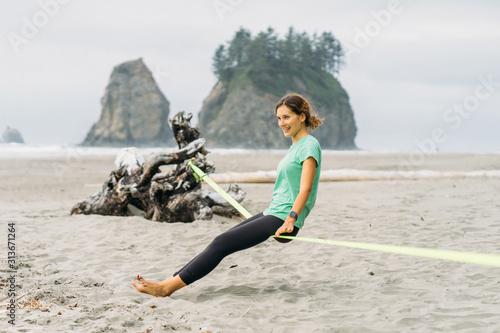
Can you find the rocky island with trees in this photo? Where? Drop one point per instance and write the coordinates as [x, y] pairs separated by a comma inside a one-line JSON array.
[[255, 71]]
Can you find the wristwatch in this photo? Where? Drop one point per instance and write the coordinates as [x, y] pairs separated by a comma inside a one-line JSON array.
[[293, 215]]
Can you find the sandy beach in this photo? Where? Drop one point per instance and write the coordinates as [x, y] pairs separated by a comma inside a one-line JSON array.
[[74, 272]]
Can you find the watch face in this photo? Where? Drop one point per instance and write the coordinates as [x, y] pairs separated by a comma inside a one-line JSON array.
[[293, 214]]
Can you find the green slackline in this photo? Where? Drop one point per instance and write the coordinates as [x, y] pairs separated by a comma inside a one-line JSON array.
[[486, 259], [219, 190]]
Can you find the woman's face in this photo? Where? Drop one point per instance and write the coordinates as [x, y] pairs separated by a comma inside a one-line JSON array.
[[289, 121]]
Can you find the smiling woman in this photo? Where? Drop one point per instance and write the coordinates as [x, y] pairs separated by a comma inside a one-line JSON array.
[[295, 116], [294, 196]]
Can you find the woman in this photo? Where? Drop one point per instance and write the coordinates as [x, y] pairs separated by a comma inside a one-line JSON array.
[[293, 198]]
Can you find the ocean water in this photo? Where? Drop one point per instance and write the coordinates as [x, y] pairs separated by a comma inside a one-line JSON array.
[[17, 150], [74, 152]]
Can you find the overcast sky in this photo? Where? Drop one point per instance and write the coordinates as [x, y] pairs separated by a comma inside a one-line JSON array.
[[420, 74]]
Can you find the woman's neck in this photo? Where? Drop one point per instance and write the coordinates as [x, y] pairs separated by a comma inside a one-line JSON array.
[[300, 134]]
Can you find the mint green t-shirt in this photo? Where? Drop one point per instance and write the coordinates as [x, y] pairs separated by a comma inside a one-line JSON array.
[[287, 184]]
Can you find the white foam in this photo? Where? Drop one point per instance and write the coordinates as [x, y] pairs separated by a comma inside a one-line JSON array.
[[352, 175], [16, 150]]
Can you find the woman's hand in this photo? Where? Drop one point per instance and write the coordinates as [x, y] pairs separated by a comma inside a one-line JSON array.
[[287, 227]]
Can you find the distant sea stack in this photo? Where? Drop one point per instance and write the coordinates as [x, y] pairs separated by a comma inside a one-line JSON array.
[[134, 110], [254, 73], [12, 135]]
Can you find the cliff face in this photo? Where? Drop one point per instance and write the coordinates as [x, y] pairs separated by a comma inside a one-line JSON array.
[[240, 118], [134, 110], [240, 113]]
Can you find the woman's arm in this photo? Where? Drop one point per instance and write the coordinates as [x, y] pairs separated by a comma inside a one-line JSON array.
[[306, 184]]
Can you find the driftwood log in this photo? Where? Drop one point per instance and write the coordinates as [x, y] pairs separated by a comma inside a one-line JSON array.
[[170, 196]]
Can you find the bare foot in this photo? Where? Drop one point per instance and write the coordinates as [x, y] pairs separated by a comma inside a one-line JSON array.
[[156, 289], [159, 289]]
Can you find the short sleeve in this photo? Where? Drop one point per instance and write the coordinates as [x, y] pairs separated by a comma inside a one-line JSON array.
[[310, 149]]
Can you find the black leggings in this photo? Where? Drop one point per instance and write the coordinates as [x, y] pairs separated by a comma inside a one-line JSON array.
[[248, 233]]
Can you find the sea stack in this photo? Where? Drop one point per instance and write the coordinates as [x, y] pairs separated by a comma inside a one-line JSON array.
[[255, 72], [12, 135], [134, 110], [242, 116]]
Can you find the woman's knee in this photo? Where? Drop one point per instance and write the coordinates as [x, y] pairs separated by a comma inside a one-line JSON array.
[[219, 244]]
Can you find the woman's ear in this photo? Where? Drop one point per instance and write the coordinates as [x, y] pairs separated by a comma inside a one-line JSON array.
[[302, 117]]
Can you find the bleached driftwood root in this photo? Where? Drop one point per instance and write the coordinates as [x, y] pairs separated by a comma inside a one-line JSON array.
[[173, 196]]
